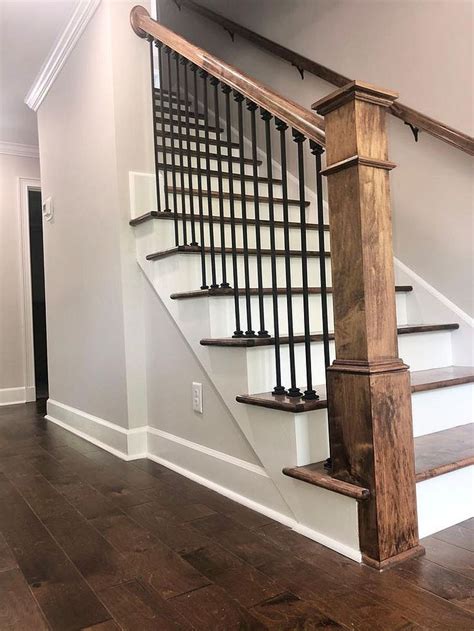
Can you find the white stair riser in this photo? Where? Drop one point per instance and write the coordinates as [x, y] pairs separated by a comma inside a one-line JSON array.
[[443, 408], [222, 313], [419, 350], [445, 500]]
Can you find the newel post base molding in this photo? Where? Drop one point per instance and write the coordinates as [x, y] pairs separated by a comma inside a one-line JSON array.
[[369, 397]]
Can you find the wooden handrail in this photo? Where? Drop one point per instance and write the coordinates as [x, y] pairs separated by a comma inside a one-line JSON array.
[[294, 115], [412, 117]]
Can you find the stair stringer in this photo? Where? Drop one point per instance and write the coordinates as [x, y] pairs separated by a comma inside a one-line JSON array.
[[277, 438]]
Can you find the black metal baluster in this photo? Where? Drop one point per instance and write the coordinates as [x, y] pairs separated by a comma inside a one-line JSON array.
[[214, 285], [249, 332], [293, 391], [159, 46], [184, 63], [180, 147], [154, 114], [310, 393], [266, 116], [173, 164], [258, 241], [224, 284], [238, 331], [318, 151], [204, 284]]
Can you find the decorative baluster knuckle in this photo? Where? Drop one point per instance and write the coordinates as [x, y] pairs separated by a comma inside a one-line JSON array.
[[280, 125], [265, 114], [298, 136]]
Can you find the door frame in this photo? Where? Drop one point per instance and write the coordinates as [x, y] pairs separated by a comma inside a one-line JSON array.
[[26, 184]]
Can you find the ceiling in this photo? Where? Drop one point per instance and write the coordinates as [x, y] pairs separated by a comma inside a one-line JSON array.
[[28, 31]]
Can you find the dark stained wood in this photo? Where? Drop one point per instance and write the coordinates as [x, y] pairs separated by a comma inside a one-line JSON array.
[[200, 154], [234, 557], [369, 397], [178, 112], [250, 342], [290, 112], [444, 451], [213, 173], [436, 128], [316, 474], [421, 380], [18, 608], [238, 197], [446, 377], [175, 123], [458, 536], [191, 249], [167, 216], [193, 138], [267, 291]]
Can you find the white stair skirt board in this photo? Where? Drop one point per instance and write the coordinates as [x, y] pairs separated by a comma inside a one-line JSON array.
[[13, 396], [436, 410], [128, 444], [445, 500]]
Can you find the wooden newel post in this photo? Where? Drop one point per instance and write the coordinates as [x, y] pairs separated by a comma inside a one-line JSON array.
[[369, 397]]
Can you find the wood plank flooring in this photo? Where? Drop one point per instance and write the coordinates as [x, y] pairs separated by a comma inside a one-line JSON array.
[[88, 541]]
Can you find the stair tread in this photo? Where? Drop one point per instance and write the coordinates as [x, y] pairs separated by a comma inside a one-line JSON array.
[[445, 451], [435, 454], [153, 214], [202, 154], [238, 196], [181, 111], [177, 123], [194, 138], [191, 249], [316, 474], [421, 380], [214, 173], [267, 291], [249, 342]]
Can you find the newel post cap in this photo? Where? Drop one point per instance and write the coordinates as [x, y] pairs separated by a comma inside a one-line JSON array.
[[136, 14], [355, 90]]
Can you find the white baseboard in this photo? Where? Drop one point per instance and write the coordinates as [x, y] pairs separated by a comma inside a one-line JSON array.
[[12, 396], [347, 551], [128, 444]]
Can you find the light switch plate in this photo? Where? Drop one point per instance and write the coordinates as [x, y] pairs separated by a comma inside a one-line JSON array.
[[48, 209], [197, 397]]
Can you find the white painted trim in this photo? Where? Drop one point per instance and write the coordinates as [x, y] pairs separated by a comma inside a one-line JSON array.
[[25, 185], [243, 464], [128, 444], [16, 149], [60, 52], [465, 317], [261, 508], [13, 396]]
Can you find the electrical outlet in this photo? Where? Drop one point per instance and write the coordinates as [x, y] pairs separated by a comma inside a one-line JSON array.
[[197, 397]]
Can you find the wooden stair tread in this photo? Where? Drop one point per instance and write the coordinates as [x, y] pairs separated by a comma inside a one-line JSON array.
[[267, 291], [178, 112], [191, 249], [194, 138], [201, 154], [250, 342], [238, 220], [177, 123], [445, 451], [316, 474], [238, 197], [214, 173], [421, 380], [435, 454]]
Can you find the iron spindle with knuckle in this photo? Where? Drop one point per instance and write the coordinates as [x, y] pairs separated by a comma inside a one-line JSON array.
[[150, 39], [184, 63], [180, 103], [179, 117], [235, 269], [159, 47]]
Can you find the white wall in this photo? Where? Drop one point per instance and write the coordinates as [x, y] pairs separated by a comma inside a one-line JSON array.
[[12, 336], [421, 49]]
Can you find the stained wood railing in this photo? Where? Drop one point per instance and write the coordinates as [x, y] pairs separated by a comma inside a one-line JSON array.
[[417, 120]]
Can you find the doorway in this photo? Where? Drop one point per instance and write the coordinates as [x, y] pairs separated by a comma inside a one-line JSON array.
[[38, 301]]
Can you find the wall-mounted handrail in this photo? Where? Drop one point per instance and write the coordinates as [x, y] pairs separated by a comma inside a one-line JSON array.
[[412, 117], [294, 115]]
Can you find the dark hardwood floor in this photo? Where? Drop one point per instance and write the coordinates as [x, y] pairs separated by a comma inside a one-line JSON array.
[[88, 541]]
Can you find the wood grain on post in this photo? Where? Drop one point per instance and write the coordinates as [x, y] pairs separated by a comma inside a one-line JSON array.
[[369, 398]]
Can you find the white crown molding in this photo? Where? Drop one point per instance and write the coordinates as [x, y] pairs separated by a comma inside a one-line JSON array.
[[60, 52], [16, 149]]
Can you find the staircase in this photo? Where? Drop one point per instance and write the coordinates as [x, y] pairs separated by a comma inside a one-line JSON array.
[[238, 249]]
